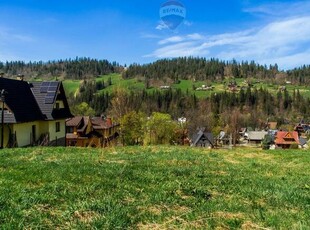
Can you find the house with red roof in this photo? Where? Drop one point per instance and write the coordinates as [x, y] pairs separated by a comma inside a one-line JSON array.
[[285, 139]]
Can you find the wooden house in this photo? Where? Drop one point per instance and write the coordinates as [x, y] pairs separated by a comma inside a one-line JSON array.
[[285, 139], [107, 128], [84, 131], [79, 132], [34, 113]]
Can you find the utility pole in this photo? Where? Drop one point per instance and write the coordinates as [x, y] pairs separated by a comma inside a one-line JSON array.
[[3, 92]]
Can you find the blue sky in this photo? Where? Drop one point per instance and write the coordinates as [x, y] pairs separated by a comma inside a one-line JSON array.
[[128, 32]]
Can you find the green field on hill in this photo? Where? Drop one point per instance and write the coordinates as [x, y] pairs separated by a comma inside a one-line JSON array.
[[72, 86], [154, 188]]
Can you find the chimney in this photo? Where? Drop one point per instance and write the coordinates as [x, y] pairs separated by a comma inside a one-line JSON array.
[[103, 117], [20, 77], [109, 122]]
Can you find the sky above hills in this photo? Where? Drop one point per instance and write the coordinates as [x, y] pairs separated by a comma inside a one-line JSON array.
[[128, 32]]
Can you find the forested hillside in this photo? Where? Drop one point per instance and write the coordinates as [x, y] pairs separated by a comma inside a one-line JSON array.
[[79, 68], [183, 68], [243, 93], [201, 69]]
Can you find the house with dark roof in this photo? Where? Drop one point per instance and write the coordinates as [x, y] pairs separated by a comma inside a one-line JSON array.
[[34, 113], [203, 139], [285, 140], [303, 142]]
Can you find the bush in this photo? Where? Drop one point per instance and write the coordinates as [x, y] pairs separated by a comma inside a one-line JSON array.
[[294, 146]]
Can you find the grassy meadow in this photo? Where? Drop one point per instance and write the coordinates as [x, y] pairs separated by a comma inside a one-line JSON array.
[[154, 188], [72, 86]]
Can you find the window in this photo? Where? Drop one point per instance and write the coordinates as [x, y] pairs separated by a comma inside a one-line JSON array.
[[57, 105], [57, 127]]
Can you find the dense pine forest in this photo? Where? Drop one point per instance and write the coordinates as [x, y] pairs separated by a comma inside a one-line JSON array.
[[201, 69], [249, 106], [186, 68], [78, 68]]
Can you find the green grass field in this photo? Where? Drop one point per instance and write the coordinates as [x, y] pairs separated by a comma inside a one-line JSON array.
[[71, 86], [154, 188]]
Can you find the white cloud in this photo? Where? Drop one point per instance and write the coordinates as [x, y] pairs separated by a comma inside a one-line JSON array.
[[179, 49], [195, 36], [281, 42], [188, 23], [9, 36], [173, 39], [161, 26], [285, 9]]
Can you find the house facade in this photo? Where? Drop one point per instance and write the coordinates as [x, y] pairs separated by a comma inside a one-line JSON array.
[[34, 113]]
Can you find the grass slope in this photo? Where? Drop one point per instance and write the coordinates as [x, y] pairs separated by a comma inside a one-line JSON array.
[[154, 187], [71, 86]]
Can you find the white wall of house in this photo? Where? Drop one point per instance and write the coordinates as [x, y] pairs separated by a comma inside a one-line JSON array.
[[54, 134], [24, 132]]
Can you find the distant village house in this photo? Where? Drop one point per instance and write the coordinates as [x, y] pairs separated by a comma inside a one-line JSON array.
[[285, 140]]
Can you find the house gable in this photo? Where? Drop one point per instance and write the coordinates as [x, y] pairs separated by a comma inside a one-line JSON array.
[[286, 138], [20, 101], [48, 95], [202, 139]]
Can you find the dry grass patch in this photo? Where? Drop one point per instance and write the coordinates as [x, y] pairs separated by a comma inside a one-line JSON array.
[[116, 162], [248, 225], [256, 155], [182, 195], [86, 216], [231, 160], [228, 215]]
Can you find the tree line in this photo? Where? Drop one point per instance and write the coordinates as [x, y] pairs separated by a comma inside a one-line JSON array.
[[202, 69], [78, 68], [183, 68]]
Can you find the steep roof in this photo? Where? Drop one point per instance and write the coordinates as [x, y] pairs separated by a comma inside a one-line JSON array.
[[80, 122], [287, 138], [256, 135], [201, 134], [74, 121], [101, 124], [20, 101], [46, 94]]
